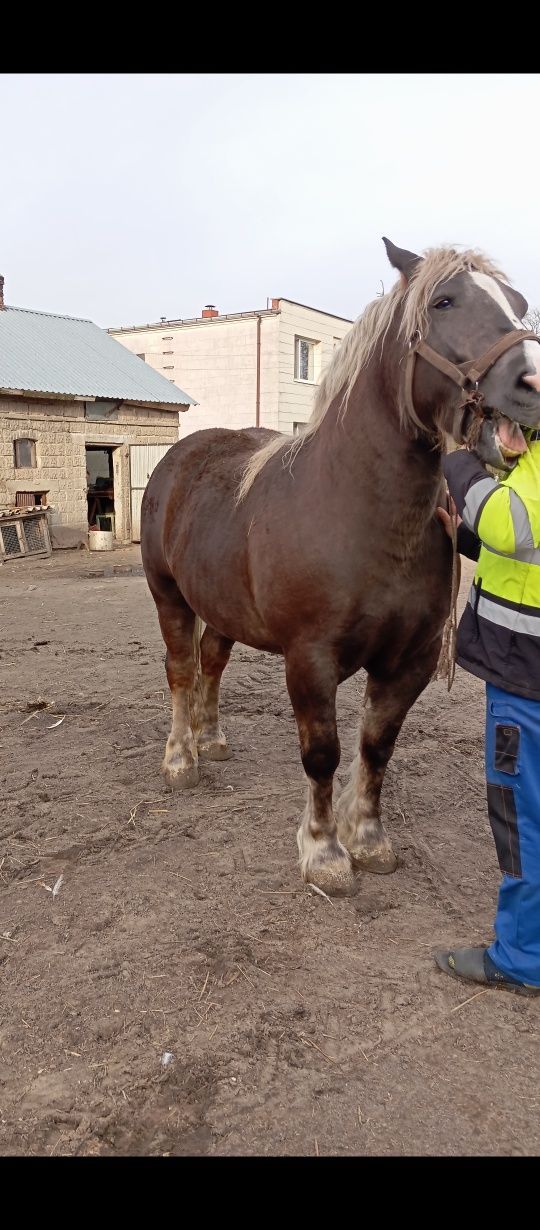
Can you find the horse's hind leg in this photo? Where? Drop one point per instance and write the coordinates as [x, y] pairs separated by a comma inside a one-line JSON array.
[[358, 808], [312, 684], [215, 653], [177, 622]]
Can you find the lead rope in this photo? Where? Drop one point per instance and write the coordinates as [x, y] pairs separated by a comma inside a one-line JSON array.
[[446, 666]]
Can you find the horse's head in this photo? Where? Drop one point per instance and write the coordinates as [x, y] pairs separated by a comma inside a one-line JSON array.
[[466, 363]]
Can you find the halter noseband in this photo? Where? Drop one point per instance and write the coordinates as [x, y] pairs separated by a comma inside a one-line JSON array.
[[466, 375]]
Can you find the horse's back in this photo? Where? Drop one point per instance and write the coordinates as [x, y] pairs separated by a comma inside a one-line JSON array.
[[213, 447]]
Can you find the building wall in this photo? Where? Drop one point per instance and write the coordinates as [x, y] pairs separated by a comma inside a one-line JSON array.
[[217, 360], [296, 396], [61, 431]]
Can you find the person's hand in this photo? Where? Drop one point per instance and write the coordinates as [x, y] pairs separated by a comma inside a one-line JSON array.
[[446, 518]]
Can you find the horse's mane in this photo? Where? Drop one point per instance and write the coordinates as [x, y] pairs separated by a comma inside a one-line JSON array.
[[360, 343]]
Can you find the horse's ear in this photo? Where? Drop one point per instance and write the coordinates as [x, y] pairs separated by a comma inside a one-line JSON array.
[[515, 299], [401, 259]]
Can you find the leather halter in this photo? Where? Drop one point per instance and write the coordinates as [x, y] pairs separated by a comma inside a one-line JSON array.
[[466, 375]]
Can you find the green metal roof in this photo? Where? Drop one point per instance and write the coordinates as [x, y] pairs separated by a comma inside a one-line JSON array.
[[42, 353]]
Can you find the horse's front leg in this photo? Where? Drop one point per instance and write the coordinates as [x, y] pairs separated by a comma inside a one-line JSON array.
[[359, 807], [312, 684]]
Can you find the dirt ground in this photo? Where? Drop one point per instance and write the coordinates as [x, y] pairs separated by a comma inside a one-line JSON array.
[[183, 993]]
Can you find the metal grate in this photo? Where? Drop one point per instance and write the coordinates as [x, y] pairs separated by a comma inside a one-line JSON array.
[[24, 535], [33, 535], [10, 536]]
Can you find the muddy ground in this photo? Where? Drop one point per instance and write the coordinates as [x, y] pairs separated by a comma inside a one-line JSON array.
[[181, 925]]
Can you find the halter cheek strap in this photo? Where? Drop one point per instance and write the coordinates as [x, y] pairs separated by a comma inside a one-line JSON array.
[[465, 375]]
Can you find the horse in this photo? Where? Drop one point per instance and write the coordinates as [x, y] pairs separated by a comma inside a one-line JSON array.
[[326, 547]]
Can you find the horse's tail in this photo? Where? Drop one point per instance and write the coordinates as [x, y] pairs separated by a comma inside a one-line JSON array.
[[196, 697], [446, 666], [198, 629]]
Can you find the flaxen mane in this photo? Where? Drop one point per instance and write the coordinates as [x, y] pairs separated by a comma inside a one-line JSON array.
[[360, 343]]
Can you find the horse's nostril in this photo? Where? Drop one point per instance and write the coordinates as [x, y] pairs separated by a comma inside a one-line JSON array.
[[531, 380]]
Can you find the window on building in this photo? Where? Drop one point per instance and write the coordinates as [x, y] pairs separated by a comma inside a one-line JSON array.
[[166, 339], [141, 356], [337, 343], [102, 410], [304, 359], [25, 454], [168, 367]]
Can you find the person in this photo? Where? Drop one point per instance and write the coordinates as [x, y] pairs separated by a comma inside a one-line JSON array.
[[499, 641]]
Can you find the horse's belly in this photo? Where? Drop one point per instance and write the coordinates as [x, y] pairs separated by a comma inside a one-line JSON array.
[[227, 606]]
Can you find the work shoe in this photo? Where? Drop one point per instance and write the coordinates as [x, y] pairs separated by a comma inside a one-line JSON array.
[[475, 965]]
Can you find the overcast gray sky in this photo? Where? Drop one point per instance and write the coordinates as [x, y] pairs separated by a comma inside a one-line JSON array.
[[130, 197]]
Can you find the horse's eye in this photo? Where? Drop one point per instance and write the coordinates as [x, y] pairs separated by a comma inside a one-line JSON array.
[[443, 303]]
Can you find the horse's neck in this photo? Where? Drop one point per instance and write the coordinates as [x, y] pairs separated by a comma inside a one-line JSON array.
[[380, 467]]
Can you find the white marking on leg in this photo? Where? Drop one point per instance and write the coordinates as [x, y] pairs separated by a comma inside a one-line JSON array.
[[181, 748], [307, 845], [359, 827], [324, 861]]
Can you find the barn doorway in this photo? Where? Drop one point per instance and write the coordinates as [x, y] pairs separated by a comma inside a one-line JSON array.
[[100, 487]]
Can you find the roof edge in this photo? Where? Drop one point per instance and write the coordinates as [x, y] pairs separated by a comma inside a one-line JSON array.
[[178, 322], [83, 320], [50, 395], [194, 320], [320, 311]]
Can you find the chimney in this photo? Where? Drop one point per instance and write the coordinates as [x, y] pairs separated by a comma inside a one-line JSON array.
[[2, 304], [275, 305], [209, 311]]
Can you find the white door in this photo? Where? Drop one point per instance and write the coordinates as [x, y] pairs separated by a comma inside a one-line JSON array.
[[143, 458]]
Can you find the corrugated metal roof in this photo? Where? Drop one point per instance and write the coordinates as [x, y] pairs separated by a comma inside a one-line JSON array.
[[42, 353]]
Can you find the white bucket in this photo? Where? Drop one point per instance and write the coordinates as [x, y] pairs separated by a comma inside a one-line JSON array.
[[100, 540]]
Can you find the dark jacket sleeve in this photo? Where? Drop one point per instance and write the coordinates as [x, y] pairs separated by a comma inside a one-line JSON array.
[[467, 542], [461, 471]]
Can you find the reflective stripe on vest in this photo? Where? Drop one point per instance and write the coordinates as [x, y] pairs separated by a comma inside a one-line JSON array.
[[498, 516], [475, 500], [529, 555], [504, 616]]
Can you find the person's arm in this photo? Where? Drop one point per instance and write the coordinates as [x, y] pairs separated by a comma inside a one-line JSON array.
[[492, 511], [467, 543]]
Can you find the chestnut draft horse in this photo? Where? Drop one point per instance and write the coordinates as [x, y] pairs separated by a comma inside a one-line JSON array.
[[325, 548]]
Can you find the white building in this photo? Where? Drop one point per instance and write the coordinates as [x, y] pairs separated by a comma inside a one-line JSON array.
[[247, 369]]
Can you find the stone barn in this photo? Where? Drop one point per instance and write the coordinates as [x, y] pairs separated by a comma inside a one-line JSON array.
[[82, 423]]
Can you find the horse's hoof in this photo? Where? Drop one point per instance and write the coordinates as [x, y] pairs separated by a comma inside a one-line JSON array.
[[380, 860], [336, 879], [181, 779], [214, 749]]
